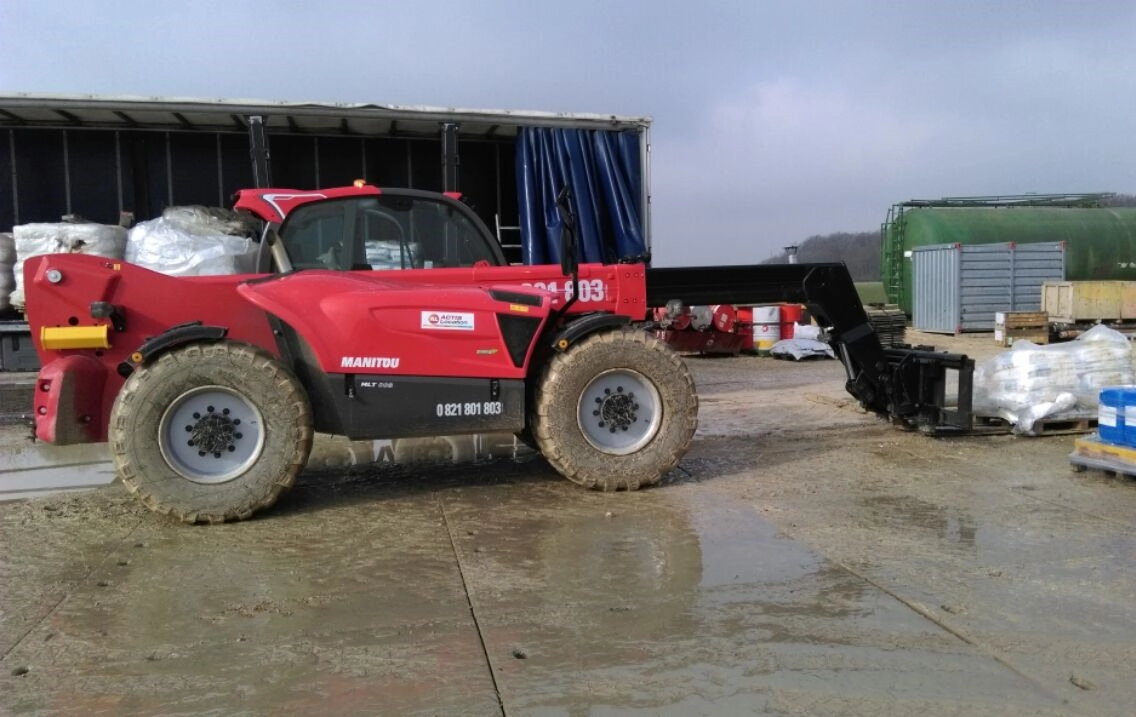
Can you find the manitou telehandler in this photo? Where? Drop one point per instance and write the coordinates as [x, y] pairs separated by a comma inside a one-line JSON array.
[[209, 389]]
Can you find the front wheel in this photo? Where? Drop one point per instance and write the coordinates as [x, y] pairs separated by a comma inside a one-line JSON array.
[[616, 411], [210, 432]]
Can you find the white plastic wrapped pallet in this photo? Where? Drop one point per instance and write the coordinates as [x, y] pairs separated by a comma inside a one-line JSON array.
[[194, 241], [7, 275], [1030, 382], [208, 221], [62, 238]]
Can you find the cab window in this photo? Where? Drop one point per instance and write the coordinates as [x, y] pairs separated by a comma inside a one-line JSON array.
[[384, 232]]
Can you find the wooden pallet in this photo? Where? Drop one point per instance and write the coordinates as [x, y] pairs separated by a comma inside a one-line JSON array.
[[1011, 326], [1049, 426], [1063, 426], [1092, 452], [889, 322]]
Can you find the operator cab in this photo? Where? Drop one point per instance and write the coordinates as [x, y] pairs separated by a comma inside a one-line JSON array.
[[391, 230]]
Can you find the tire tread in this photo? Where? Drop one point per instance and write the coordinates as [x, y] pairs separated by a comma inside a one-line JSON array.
[[242, 357], [582, 463]]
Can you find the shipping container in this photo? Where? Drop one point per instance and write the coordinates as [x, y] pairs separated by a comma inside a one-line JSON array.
[[959, 288], [1100, 241]]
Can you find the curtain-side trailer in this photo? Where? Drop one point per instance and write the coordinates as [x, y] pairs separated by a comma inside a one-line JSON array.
[[97, 157]]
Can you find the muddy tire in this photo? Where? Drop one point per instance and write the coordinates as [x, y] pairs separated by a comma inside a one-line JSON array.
[[210, 432], [616, 411]]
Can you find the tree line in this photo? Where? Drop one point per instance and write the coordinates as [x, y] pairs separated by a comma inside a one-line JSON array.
[[860, 252]]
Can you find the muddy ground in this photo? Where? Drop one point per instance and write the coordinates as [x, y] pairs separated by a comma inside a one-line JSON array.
[[807, 559]]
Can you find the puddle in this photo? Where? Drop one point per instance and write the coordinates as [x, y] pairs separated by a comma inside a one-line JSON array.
[[681, 602], [950, 525], [30, 468]]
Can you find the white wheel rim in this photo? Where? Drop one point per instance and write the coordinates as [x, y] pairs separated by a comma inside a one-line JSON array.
[[619, 411], [211, 434]]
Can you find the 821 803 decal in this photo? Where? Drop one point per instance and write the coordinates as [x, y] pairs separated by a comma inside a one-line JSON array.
[[469, 408]]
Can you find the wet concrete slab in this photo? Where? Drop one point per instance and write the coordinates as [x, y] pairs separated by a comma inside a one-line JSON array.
[[687, 603], [997, 542], [520, 595], [805, 560], [320, 617]]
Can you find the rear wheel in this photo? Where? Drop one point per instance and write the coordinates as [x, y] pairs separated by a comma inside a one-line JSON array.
[[211, 432], [616, 411]]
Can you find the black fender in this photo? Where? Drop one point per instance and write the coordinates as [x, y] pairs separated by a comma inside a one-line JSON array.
[[172, 337], [586, 325]]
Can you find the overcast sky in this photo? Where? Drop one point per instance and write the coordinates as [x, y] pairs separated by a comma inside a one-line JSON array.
[[772, 121]]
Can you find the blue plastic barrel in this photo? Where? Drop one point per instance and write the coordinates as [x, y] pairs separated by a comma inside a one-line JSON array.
[[1128, 400], [1110, 415]]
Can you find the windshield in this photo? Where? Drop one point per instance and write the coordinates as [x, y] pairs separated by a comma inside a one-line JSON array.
[[381, 232]]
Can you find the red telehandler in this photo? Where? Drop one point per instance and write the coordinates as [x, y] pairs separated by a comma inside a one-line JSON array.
[[209, 389]]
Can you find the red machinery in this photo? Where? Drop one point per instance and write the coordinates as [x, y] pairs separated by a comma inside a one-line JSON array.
[[209, 389], [717, 329]]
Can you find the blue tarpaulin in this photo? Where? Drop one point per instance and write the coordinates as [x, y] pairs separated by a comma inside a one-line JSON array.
[[604, 172]]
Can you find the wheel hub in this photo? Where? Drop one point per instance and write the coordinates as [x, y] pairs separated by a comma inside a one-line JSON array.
[[211, 434], [616, 410], [214, 433], [619, 411]]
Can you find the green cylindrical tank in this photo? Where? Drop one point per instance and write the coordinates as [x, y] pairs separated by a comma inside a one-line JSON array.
[[1100, 243]]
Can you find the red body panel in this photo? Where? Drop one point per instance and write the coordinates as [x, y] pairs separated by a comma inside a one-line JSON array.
[[362, 323], [68, 401], [151, 303], [272, 205], [343, 316], [615, 288]]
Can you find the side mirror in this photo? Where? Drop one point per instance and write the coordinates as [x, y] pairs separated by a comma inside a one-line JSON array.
[[569, 263]]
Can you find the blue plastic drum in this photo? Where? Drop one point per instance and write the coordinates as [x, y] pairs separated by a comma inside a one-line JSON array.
[[1110, 415], [1129, 416], [1116, 418]]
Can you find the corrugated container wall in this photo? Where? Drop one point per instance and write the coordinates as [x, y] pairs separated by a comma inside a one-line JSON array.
[[1100, 242], [958, 287]]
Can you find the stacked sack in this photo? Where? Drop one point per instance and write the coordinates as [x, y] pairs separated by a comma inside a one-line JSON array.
[[7, 275], [1030, 382], [194, 241], [62, 238]]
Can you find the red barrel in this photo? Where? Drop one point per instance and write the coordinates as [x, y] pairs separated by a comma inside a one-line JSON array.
[[745, 328], [725, 318], [790, 315]]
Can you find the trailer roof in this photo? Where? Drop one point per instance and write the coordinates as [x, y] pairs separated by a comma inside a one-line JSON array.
[[190, 114]]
